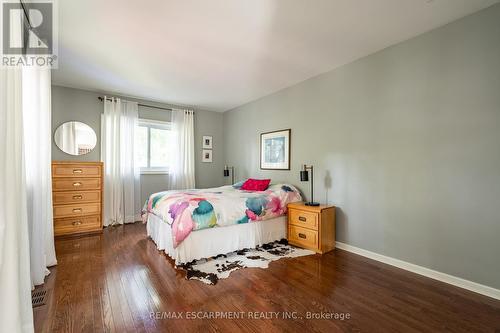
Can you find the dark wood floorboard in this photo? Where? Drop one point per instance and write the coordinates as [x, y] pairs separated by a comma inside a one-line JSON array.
[[112, 282]]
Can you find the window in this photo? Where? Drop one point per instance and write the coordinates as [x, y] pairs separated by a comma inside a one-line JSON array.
[[152, 146]]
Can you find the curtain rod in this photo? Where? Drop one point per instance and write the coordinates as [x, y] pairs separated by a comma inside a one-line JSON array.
[[139, 104]]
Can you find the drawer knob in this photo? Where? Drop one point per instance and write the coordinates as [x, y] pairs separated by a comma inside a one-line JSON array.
[[77, 222], [77, 171], [77, 210], [302, 218], [77, 184], [301, 235], [77, 197]]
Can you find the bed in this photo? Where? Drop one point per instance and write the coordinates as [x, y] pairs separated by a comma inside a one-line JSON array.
[[194, 224]]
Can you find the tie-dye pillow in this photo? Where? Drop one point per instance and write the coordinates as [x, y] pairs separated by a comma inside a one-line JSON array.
[[239, 184]]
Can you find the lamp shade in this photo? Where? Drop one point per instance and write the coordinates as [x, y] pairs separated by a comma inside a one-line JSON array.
[[304, 176]]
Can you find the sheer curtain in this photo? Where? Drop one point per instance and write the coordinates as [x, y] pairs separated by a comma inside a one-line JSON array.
[[181, 174], [121, 175], [15, 301], [37, 148]]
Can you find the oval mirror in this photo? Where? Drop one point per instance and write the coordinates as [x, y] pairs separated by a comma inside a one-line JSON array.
[[75, 138]]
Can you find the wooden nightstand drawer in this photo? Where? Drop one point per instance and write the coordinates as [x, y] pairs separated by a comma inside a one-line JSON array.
[[63, 198], [77, 210], [76, 225], [303, 219], [303, 237], [76, 170]]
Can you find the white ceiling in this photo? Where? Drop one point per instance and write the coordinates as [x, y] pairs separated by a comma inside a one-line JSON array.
[[219, 54]]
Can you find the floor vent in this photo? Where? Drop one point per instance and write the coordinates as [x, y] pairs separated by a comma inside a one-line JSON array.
[[38, 297]]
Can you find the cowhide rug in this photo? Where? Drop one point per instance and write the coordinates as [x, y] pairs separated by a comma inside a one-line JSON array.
[[219, 267]]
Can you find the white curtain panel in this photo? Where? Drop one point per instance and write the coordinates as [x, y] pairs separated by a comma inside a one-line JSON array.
[[15, 283], [181, 174], [129, 170], [37, 148], [121, 175]]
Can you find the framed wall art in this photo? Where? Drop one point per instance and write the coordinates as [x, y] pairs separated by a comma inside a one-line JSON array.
[[207, 142], [207, 156], [275, 150]]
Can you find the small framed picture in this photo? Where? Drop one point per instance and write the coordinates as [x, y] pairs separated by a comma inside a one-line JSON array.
[[207, 156], [207, 142], [275, 150]]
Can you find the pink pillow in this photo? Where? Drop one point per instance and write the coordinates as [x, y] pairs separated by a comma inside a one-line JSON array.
[[255, 184]]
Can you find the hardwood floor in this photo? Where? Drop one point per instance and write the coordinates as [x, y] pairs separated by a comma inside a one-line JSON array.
[[114, 281]]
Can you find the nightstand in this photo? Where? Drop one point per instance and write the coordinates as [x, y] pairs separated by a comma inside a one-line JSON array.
[[311, 227]]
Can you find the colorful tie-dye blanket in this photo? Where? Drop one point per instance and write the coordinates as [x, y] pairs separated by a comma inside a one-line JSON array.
[[192, 210]]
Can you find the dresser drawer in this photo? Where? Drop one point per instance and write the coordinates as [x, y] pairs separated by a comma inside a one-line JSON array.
[[303, 219], [303, 237], [76, 184], [76, 170], [76, 197], [77, 210], [75, 225]]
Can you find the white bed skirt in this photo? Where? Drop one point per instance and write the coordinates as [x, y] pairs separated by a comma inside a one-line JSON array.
[[206, 243]]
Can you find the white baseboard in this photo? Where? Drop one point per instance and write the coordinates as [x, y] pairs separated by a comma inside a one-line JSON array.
[[453, 280]]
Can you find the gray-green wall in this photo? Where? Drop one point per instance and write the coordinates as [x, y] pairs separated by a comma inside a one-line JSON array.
[[405, 142], [74, 104]]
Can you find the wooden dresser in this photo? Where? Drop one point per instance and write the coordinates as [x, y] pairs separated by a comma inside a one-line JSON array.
[[311, 227], [77, 197]]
